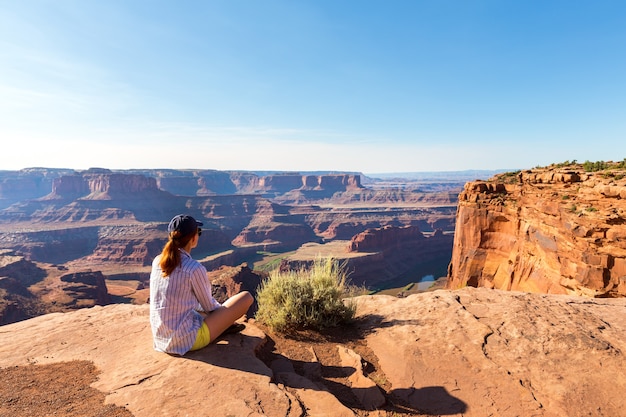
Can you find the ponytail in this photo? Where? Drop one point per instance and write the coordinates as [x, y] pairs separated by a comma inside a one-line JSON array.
[[170, 256]]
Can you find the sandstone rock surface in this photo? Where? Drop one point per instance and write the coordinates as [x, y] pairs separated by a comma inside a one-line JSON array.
[[470, 352], [558, 230]]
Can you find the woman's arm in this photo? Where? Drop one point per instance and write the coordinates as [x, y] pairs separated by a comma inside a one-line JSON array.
[[202, 288]]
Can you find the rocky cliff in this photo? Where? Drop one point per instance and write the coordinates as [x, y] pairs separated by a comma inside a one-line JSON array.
[[34, 183], [27, 290], [228, 281], [103, 185], [86, 289], [212, 182], [398, 256], [471, 352], [110, 217], [557, 230], [386, 238]]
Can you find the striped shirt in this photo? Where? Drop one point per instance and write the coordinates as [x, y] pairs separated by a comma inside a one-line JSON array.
[[176, 302]]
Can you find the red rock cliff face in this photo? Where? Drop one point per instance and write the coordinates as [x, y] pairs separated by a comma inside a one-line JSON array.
[[102, 186], [546, 230], [333, 182], [288, 182], [86, 289], [106, 186], [387, 237], [69, 186]]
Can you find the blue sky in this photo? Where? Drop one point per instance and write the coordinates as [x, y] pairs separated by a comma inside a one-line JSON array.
[[369, 86]]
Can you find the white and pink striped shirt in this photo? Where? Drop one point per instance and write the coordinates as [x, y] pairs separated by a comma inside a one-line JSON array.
[[176, 302]]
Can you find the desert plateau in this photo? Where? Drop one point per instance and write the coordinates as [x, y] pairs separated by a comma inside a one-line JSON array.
[[523, 312]]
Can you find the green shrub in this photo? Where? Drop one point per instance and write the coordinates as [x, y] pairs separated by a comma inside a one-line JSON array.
[[308, 298], [595, 166]]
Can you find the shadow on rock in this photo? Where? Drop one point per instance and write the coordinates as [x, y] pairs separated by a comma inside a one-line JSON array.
[[368, 323], [234, 351], [431, 400]]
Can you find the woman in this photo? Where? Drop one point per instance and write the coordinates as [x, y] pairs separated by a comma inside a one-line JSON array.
[[184, 316]]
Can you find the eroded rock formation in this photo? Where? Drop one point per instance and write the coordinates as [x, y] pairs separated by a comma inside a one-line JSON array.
[[397, 255], [85, 289], [17, 302], [27, 290], [389, 255], [558, 230], [385, 238], [228, 281]]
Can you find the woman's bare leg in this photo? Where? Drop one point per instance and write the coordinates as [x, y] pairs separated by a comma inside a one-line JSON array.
[[232, 309]]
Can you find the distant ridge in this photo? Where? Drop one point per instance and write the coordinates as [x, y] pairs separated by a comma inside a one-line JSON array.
[[467, 175]]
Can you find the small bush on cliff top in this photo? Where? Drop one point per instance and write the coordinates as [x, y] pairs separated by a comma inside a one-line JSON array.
[[312, 298], [595, 166]]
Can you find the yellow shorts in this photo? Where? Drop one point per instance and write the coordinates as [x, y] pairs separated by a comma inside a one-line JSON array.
[[203, 338]]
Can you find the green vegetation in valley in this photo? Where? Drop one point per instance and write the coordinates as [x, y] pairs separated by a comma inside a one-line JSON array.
[[271, 261], [309, 298], [265, 261]]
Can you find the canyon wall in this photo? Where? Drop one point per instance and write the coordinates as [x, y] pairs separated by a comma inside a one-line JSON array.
[[387, 256], [106, 216], [102, 183], [212, 182], [555, 230], [24, 293]]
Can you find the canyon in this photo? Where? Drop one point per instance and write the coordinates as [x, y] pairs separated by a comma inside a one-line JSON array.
[[558, 229], [59, 223], [530, 323]]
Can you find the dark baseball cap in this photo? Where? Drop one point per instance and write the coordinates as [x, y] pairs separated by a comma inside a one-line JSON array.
[[184, 224]]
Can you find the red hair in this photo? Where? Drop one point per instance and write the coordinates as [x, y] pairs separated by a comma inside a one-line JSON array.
[[170, 255]]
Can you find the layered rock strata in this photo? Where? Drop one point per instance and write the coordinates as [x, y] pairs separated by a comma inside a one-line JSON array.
[[115, 222], [86, 289], [383, 256], [557, 230]]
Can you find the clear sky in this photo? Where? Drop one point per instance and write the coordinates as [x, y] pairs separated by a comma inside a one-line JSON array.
[[303, 85]]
